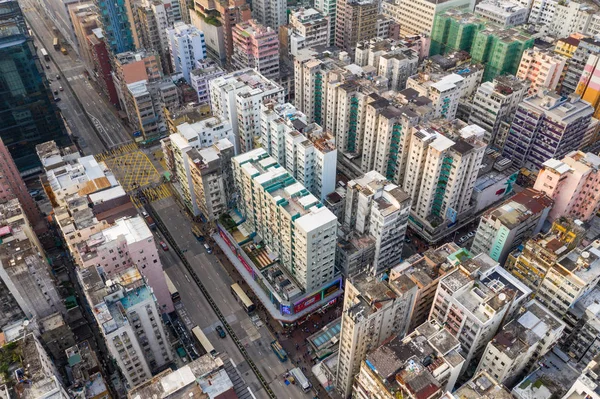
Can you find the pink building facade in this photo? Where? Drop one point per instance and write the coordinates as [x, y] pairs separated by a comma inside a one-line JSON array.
[[256, 46], [572, 183], [12, 186], [543, 68], [129, 242]]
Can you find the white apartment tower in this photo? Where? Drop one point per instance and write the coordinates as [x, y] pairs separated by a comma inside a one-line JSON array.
[[374, 310], [302, 148], [520, 344], [376, 207], [187, 47], [473, 301], [309, 28], [237, 97], [129, 319], [287, 217], [444, 91], [495, 102], [442, 167], [270, 13]]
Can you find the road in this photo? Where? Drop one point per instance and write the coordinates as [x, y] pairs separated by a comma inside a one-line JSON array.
[[92, 109], [256, 339]]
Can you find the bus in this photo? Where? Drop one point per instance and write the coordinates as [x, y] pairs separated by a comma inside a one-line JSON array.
[[172, 290], [56, 44], [301, 379], [203, 341], [45, 54], [242, 298], [279, 351]]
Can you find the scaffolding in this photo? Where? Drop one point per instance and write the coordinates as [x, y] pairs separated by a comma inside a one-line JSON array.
[[442, 184]]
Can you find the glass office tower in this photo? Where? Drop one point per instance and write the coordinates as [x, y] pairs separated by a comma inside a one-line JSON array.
[[28, 114]]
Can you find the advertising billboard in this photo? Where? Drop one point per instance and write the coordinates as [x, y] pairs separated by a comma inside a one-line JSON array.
[[307, 302]]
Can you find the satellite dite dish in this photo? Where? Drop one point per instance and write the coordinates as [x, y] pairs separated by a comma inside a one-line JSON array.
[[502, 297]]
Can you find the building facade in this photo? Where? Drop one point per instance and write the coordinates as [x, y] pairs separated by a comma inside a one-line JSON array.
[[256, 46], [187, 47]]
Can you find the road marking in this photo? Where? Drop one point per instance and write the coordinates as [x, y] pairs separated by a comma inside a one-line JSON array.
[[249, 390], [233, 363]]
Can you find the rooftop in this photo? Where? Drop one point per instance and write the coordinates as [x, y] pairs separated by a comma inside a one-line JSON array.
[[482, 386], [563, 110], [520, 207], [305, 209]]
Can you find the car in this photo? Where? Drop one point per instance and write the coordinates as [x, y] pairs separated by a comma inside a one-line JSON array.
[[47, 66], [407, 240], [164, 246], [34, 193], [144, 213], [462, 239], [55, 91], [471, 234], [57, 77], [208, 248], [60, 88], [57, 99], [220, 331]]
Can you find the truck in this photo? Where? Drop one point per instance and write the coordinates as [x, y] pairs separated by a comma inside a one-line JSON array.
[[45, 54], [149, 220], [300, 379]]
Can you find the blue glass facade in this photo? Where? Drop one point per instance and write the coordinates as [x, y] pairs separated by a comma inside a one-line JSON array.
[[116, 25], [28, 114]]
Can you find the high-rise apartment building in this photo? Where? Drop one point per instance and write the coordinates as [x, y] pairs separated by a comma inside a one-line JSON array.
[[374, 310], [256, 46], [540, 253], [543, 68], [309, 257], [298, 231], [308, 28], [571, 183], [589, 83], [187, 47], [27, 286], [328, 9], [498, 48], [569, 120], [12, 186], [127, 243], [132, 67], [307, 152], [203, 73], [236, 97], [443, 164], [102, 67], [577, 63], [43, 379], [117, 22], [203, 172], [146, 104], [425, 363], [473, 301], [356, 21], [29, 115], [226, 14], [570, 279], [392, 60], [386, 136], [444, 91], [503, 228], [504, 13], [416, 17], [425, 271], [271, 13], [130, 321], [568, 45], [495, 103], [84, 19], [581, 342], [380, 209]]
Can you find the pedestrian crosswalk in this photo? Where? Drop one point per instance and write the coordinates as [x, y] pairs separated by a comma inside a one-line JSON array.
[[72, 78]]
